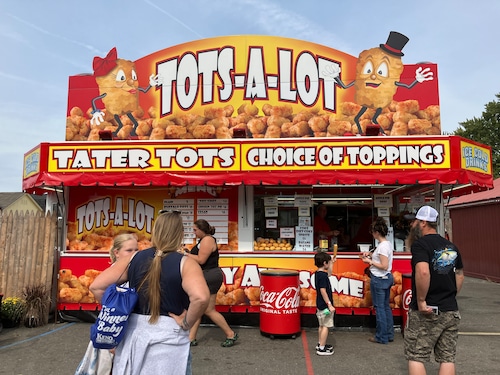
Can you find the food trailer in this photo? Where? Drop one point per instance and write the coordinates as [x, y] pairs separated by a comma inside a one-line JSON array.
[[251, 133]]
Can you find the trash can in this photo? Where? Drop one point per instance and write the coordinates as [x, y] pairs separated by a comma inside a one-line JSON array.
[[406, 300], [279, 303]]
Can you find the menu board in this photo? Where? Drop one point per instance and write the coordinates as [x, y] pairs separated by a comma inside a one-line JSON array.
[[304, 238], [186, 208], [215, 211]]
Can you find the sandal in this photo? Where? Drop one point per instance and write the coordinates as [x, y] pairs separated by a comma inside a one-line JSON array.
[[229, 341], [194, 343]]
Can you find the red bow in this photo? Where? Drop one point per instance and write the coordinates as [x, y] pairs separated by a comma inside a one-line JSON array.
[[105, 65]]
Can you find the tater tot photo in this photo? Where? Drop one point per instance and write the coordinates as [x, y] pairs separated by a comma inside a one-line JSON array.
[[266, 121]]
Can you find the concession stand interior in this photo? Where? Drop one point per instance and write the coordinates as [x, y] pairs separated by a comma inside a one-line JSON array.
[[276, 134]]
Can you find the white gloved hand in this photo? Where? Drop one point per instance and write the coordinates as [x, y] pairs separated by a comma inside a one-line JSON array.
[[422, 75], [97, 117]]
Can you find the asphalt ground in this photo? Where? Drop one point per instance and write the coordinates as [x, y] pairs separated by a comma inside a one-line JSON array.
[[57, 348]]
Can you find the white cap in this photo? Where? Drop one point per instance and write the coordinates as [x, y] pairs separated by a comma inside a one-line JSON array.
[[427, 213]]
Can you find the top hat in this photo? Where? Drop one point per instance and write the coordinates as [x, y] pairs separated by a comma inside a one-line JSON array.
[[395, 43]]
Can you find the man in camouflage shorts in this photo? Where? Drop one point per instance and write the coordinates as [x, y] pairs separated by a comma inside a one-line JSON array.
[[437, 277]]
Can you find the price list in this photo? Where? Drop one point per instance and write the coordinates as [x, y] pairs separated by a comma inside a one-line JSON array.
[[215, 211]]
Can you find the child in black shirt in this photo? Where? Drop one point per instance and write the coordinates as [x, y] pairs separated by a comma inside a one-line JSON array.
[[324, 301]]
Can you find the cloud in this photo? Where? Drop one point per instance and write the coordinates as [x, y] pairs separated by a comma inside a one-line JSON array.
[[18, 38], [31, 82], [275, 19], [26, 128], [57, 36], [173, 18], [15, 36]]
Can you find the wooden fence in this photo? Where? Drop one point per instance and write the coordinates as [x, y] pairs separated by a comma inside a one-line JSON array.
[[28, 252]]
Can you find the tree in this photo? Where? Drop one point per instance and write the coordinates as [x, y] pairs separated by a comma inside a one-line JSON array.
[[486, 130]]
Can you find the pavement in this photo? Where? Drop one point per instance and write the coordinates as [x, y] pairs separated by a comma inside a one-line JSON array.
[[58, 347]]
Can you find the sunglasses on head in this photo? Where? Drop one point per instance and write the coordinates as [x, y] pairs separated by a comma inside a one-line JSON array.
[[169, 212]]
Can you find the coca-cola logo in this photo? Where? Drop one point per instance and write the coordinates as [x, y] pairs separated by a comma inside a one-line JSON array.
[[406, 299], [288, 298]]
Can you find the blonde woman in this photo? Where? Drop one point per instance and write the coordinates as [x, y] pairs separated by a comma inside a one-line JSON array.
[[173, 295], [124, 246]]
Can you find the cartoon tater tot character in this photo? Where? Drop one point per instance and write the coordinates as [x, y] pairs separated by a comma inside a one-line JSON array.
[[118, 89], [378, 72]]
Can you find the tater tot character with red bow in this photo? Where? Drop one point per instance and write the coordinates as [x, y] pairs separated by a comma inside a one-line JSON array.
[[119, 90]]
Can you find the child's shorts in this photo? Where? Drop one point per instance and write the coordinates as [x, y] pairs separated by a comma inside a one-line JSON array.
[[324, 320]]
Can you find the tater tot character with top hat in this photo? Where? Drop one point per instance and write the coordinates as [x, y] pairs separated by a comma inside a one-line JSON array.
[[378, 73]]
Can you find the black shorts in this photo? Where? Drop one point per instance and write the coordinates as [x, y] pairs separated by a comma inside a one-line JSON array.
[[214, 278]]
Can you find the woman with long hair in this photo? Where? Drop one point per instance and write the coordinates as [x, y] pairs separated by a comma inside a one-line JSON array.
[[173, 295]]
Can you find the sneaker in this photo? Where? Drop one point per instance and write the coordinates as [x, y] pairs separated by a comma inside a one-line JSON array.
[[327, 347], [324, 351]]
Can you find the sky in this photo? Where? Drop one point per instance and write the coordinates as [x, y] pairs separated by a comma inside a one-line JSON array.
[[43, 43]]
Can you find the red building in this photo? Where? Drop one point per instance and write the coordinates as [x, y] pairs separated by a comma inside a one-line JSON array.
[[475, 223]]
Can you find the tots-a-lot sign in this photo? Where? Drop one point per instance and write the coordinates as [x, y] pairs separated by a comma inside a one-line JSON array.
[[210, 112], [254, 87]]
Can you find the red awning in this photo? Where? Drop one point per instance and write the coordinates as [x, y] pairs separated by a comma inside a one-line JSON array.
[[332, 161]]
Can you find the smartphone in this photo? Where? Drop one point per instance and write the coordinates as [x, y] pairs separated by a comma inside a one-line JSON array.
[[435, 309]]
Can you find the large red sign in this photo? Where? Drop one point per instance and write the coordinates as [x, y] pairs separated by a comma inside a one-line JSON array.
[[242, 287], [254, 87]]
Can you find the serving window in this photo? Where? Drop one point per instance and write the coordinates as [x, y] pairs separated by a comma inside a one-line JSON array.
[[280, 211]]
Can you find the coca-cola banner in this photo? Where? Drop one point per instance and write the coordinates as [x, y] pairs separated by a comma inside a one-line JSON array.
[[241, 290], [350, 285]]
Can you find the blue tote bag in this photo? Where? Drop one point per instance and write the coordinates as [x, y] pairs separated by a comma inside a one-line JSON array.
[[109, 328]]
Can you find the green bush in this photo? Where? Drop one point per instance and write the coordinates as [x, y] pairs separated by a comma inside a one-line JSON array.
[[13, 309]]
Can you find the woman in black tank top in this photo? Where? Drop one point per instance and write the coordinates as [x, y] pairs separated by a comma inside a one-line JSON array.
[[206, 253]]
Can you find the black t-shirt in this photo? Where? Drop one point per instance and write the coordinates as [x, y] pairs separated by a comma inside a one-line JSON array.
[[443, 258], [322, 281]]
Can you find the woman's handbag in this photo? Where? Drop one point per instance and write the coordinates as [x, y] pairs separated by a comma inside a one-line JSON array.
[[117, 304], [95, 362]]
